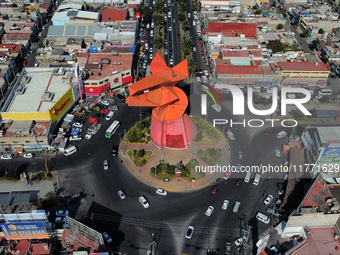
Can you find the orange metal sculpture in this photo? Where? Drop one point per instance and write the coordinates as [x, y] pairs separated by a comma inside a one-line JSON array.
[[170, 126]]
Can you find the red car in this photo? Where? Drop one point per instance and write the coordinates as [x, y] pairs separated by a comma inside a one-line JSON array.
[[267, 132], [93, 120], [104, 111], [215, 189], [202, 51]]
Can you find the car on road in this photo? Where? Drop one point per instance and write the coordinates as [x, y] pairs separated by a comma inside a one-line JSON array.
[[106, 164], [113, 108], [281, 134], [227, 248], [230, 135], [209, 211], [236, 206], [121, 194], [93, 120], [204, 78], [238, 166], [268, 199], [190, 231], [7, 156], [239, 241], [161, 192], [193, 48], [60, 220], [240, 155], [267, 131], [171, 61], [107, 238], [76, 138], [144, 202], [105, 111], [114, 150], [105, 102], [225, 204], [77, 125], [28, 155], [215, 189], [88, 136], [277, 153], [280, 192], [226, 175], [74, 197], [61, 213]]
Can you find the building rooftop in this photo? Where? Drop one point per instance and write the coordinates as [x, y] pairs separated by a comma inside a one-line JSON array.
[[329, 134], [303, 66], [317, 195], [113, 14], [233, 29], [240, 53], [225, 67], [42, 80]]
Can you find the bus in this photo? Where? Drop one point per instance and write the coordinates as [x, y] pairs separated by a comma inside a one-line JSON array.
[[112, 129], [325, 92]]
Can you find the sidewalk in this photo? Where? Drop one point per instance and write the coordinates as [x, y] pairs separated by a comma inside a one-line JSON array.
[[43, 186], [173, 157]]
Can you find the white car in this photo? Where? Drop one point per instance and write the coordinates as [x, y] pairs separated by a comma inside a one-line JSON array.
[[144, 202], [60, 220], [107, 238], [277, 153], [61, 213], [209, 211], [204, 79], [225, 204], [189, 233], [28, 155], [76, 138], [239, 241], [106, 164], [88, 136], [105, 102], [230, 135], [268, 199], [236, 206], [77, 125], [216, 107], [7, 156], [121, 194], [161, 192], [171, 61], [193, 48], [151, 33], [151, 50]]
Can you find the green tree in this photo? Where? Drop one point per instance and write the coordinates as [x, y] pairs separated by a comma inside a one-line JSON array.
[[305, 33], [321, 31], [279, 26], [314, 44], [297, 114], [258, 11], [192, 65], [158, 42], [159, 19], [185, 24], [181, 16], [276, 46], [11, 173]]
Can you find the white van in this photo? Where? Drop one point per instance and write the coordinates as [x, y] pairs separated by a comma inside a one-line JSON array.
[[70, 151], [247, 178], [109, 115], [257, 179], [281, 134], [262, 217]]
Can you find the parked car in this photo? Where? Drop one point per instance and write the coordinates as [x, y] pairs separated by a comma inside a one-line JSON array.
[[121, 194], [107, 238], [106, 164], [225, 204], [239, 241], [74, 197], [230, 135], [88, 136], [209, 211], [204, 78], [28, 155], [277, 153], [7, 156], [226, 175], [120, 96], [190, 232], [161, 192], [61, 213], [114, 150], [77, 125], [104, 111], [215, 189], [144, 202], [60, 220], [268, 199], [105, 102], [76, 138], [93, 120], [113, 108]]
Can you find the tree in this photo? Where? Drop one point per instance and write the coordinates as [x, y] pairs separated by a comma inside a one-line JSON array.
[[185, 24], [83, 44], [276, 46], [181, 16], [159, 19], [257, 12], [192, 65], [11, 173], [321, 31], [297, 114], [314, 44], [279, 26], [305, 33], [158, 42]]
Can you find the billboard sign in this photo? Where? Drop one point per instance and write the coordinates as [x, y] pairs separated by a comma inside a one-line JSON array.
[[24, 230], [330, 155]]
